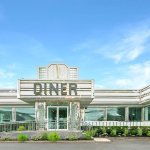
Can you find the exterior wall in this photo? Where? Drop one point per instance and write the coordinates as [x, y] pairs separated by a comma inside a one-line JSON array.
[[145, 95], [105, 97]]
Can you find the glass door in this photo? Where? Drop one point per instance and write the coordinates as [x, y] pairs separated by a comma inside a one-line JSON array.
[[57, 117], [52, 118], [62, 118]]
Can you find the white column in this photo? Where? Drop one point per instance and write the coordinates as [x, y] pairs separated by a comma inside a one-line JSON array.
[[126, 113], [13, 114], [105, 114], [142, 114]]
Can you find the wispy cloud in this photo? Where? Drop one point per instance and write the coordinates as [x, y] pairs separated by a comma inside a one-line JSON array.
[[130, 47], [137, 76], [7, 78], [123, 46]]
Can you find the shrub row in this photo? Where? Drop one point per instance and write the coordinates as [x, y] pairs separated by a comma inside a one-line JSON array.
[[117, 131], [53, 137]]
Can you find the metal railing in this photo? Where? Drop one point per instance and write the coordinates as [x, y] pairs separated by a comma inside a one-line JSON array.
[[115, 123], [34, 125], [13, 126]]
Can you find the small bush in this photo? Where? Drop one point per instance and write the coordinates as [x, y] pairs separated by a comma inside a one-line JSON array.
[[54, 136], [22, 137], [133, 131], [113, 132], [72, 137], [125, 132], [89, 134], [21, 128], [120, 130], [36, 138], [5, 138], [44, 136], [148, 133], [139, 132], [145, 130], [108, 130], [104, 131]]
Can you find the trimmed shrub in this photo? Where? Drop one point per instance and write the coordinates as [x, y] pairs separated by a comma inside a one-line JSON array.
[[108, 130], [120, 130], [139, 132], [145, 131], [133, 131], [72, 137], [113, 132], [36, 138], [44, 136], [89, 134], [104, 132], [6, 138], [125, 131], [148, 133], [21, 128], [22, 137], [54, 136]]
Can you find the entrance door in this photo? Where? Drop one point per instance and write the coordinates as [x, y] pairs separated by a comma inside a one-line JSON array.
[[57, 117]]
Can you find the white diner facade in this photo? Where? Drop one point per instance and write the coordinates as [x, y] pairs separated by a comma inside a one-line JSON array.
[[59, 100]]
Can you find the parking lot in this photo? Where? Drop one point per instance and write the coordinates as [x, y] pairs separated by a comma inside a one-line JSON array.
[[115, 144]]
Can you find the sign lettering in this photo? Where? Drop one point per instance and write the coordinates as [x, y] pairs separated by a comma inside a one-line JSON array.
[[63, 89]]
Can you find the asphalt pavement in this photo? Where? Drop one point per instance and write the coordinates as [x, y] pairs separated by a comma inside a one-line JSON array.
[[115, 144]]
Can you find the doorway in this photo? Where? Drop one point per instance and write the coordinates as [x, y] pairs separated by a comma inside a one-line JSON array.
[[57, 117]]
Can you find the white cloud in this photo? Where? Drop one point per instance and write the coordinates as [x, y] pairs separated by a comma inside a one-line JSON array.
[[137, 76], [131, 46], [99, 86], [7, 78], [124, 46]]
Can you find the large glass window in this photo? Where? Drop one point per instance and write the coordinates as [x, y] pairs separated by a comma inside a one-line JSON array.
[[94, 114], [25, 114], [116, 114], [147, 113], [134, 114], [5, 114]]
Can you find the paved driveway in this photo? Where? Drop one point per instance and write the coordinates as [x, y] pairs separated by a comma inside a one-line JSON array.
[[116, 144]]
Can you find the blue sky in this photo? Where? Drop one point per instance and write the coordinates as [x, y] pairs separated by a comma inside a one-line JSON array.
[[109, 40]]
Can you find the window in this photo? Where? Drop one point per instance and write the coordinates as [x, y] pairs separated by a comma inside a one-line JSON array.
[[134, 114], [116, 114], [5, 114], [94, 114], [147, 113], [25, 114]]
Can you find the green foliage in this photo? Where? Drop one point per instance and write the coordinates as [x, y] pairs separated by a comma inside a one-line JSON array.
[[145, 130], [36, 138], [125, 131], [89, 134], [133, 131], [54, 136], [139, 131], [108, 130], [120, 130], [22, 137], [104, 131], [44, 136], [148, 133], [6, 138], [113, 132], [72, 137], [21, 128]]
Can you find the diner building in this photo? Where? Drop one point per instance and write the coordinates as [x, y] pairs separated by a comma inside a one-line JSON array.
[[59, 100]]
